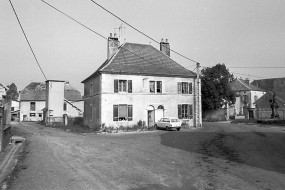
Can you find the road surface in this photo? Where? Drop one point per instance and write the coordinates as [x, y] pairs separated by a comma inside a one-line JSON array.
[[217, 156]]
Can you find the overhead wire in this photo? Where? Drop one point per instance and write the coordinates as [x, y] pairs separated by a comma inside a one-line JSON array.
[[137, 31], [140, 31], [27, 40], [149, 61]]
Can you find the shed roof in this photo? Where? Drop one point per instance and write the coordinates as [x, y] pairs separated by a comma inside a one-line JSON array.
[[140, 59]]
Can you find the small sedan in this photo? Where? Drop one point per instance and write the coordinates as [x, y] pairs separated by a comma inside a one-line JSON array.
[[168, 123]]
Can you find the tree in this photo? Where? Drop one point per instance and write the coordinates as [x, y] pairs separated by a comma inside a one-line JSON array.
[[215, 87], [12, 90]]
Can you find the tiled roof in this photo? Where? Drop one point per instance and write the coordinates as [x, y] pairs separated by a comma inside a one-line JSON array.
[[263, 102], [36, 91], [241, 85], [273, 84], [139, 59], [71, 94]]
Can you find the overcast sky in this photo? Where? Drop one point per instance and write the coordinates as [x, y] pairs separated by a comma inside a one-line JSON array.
[[238, 33]]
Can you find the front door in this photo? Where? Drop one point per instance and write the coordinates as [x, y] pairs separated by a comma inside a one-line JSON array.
[[150, 118]]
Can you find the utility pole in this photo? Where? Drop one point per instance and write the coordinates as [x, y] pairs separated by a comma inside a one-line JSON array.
[[198, 115]]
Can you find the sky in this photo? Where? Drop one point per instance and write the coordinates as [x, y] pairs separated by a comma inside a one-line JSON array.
[[237, 33]]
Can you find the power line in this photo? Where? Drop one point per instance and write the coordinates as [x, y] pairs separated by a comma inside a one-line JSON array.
[[257, 67], [28, 40], [141, 32], [148, 61]]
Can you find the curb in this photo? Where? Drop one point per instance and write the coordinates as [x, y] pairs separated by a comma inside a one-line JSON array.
[[8, 160]]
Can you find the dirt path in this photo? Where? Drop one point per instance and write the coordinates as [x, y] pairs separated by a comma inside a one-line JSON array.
[[218, 156]]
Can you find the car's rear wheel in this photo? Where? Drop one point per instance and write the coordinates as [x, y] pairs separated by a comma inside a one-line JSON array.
[[167, 128], [178, 129]]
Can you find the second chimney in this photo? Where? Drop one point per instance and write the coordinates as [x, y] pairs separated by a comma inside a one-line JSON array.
[[112, 45], [165, 47]]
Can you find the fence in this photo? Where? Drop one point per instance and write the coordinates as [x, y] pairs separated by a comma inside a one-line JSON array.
[[6, 122]]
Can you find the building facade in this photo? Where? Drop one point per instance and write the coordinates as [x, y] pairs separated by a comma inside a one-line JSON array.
[[33, 100], [246, 95], [138, 83]]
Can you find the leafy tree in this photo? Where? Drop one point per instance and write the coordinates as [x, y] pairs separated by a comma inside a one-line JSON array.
[[12, 90], [215, 87]]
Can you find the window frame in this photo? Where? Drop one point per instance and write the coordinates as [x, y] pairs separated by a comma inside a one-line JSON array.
[[116, 112], [122, 86], [32, 106], [185, 111], [155, 87], [185, 87]]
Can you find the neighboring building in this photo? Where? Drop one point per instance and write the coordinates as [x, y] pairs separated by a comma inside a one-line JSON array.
[[263, 106], [246, 95], [3, 90], [138, 83], [271, 85], [15, 110], [33, 101]]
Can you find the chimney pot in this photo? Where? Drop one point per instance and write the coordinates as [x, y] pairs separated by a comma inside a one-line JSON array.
[[165, 47]]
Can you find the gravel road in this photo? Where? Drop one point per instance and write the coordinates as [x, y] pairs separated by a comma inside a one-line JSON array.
[[217, 156]]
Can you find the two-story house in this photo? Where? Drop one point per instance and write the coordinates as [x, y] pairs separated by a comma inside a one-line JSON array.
[[246, 95], [33, 100], [136, 83]]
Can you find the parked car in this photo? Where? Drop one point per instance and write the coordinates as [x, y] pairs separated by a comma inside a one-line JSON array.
[[168, 123]]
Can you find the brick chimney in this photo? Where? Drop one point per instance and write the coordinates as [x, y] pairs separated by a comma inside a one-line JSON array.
[[165, 47], [246, 80], [112, 45]]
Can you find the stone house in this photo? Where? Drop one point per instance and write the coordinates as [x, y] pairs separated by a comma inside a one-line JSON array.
[[136, 83]]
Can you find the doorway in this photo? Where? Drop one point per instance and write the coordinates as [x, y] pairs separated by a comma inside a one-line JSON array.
[[150, 117]]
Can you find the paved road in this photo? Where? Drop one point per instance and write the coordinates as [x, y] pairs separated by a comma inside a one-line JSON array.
[[218, 156]]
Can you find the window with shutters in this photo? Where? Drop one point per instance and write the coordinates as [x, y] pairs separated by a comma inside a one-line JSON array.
[[185, 111], [122, 86], [122, 112], [185, 88]]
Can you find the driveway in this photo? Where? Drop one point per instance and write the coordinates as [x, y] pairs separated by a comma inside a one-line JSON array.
[[217, 156]]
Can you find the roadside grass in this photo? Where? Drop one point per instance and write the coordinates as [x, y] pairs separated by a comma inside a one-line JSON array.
[[73, 128], [244, 121], [18, 166]]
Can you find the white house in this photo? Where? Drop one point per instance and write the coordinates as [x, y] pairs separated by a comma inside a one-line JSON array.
[[246, 95], [136, 83], [33, 100]]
